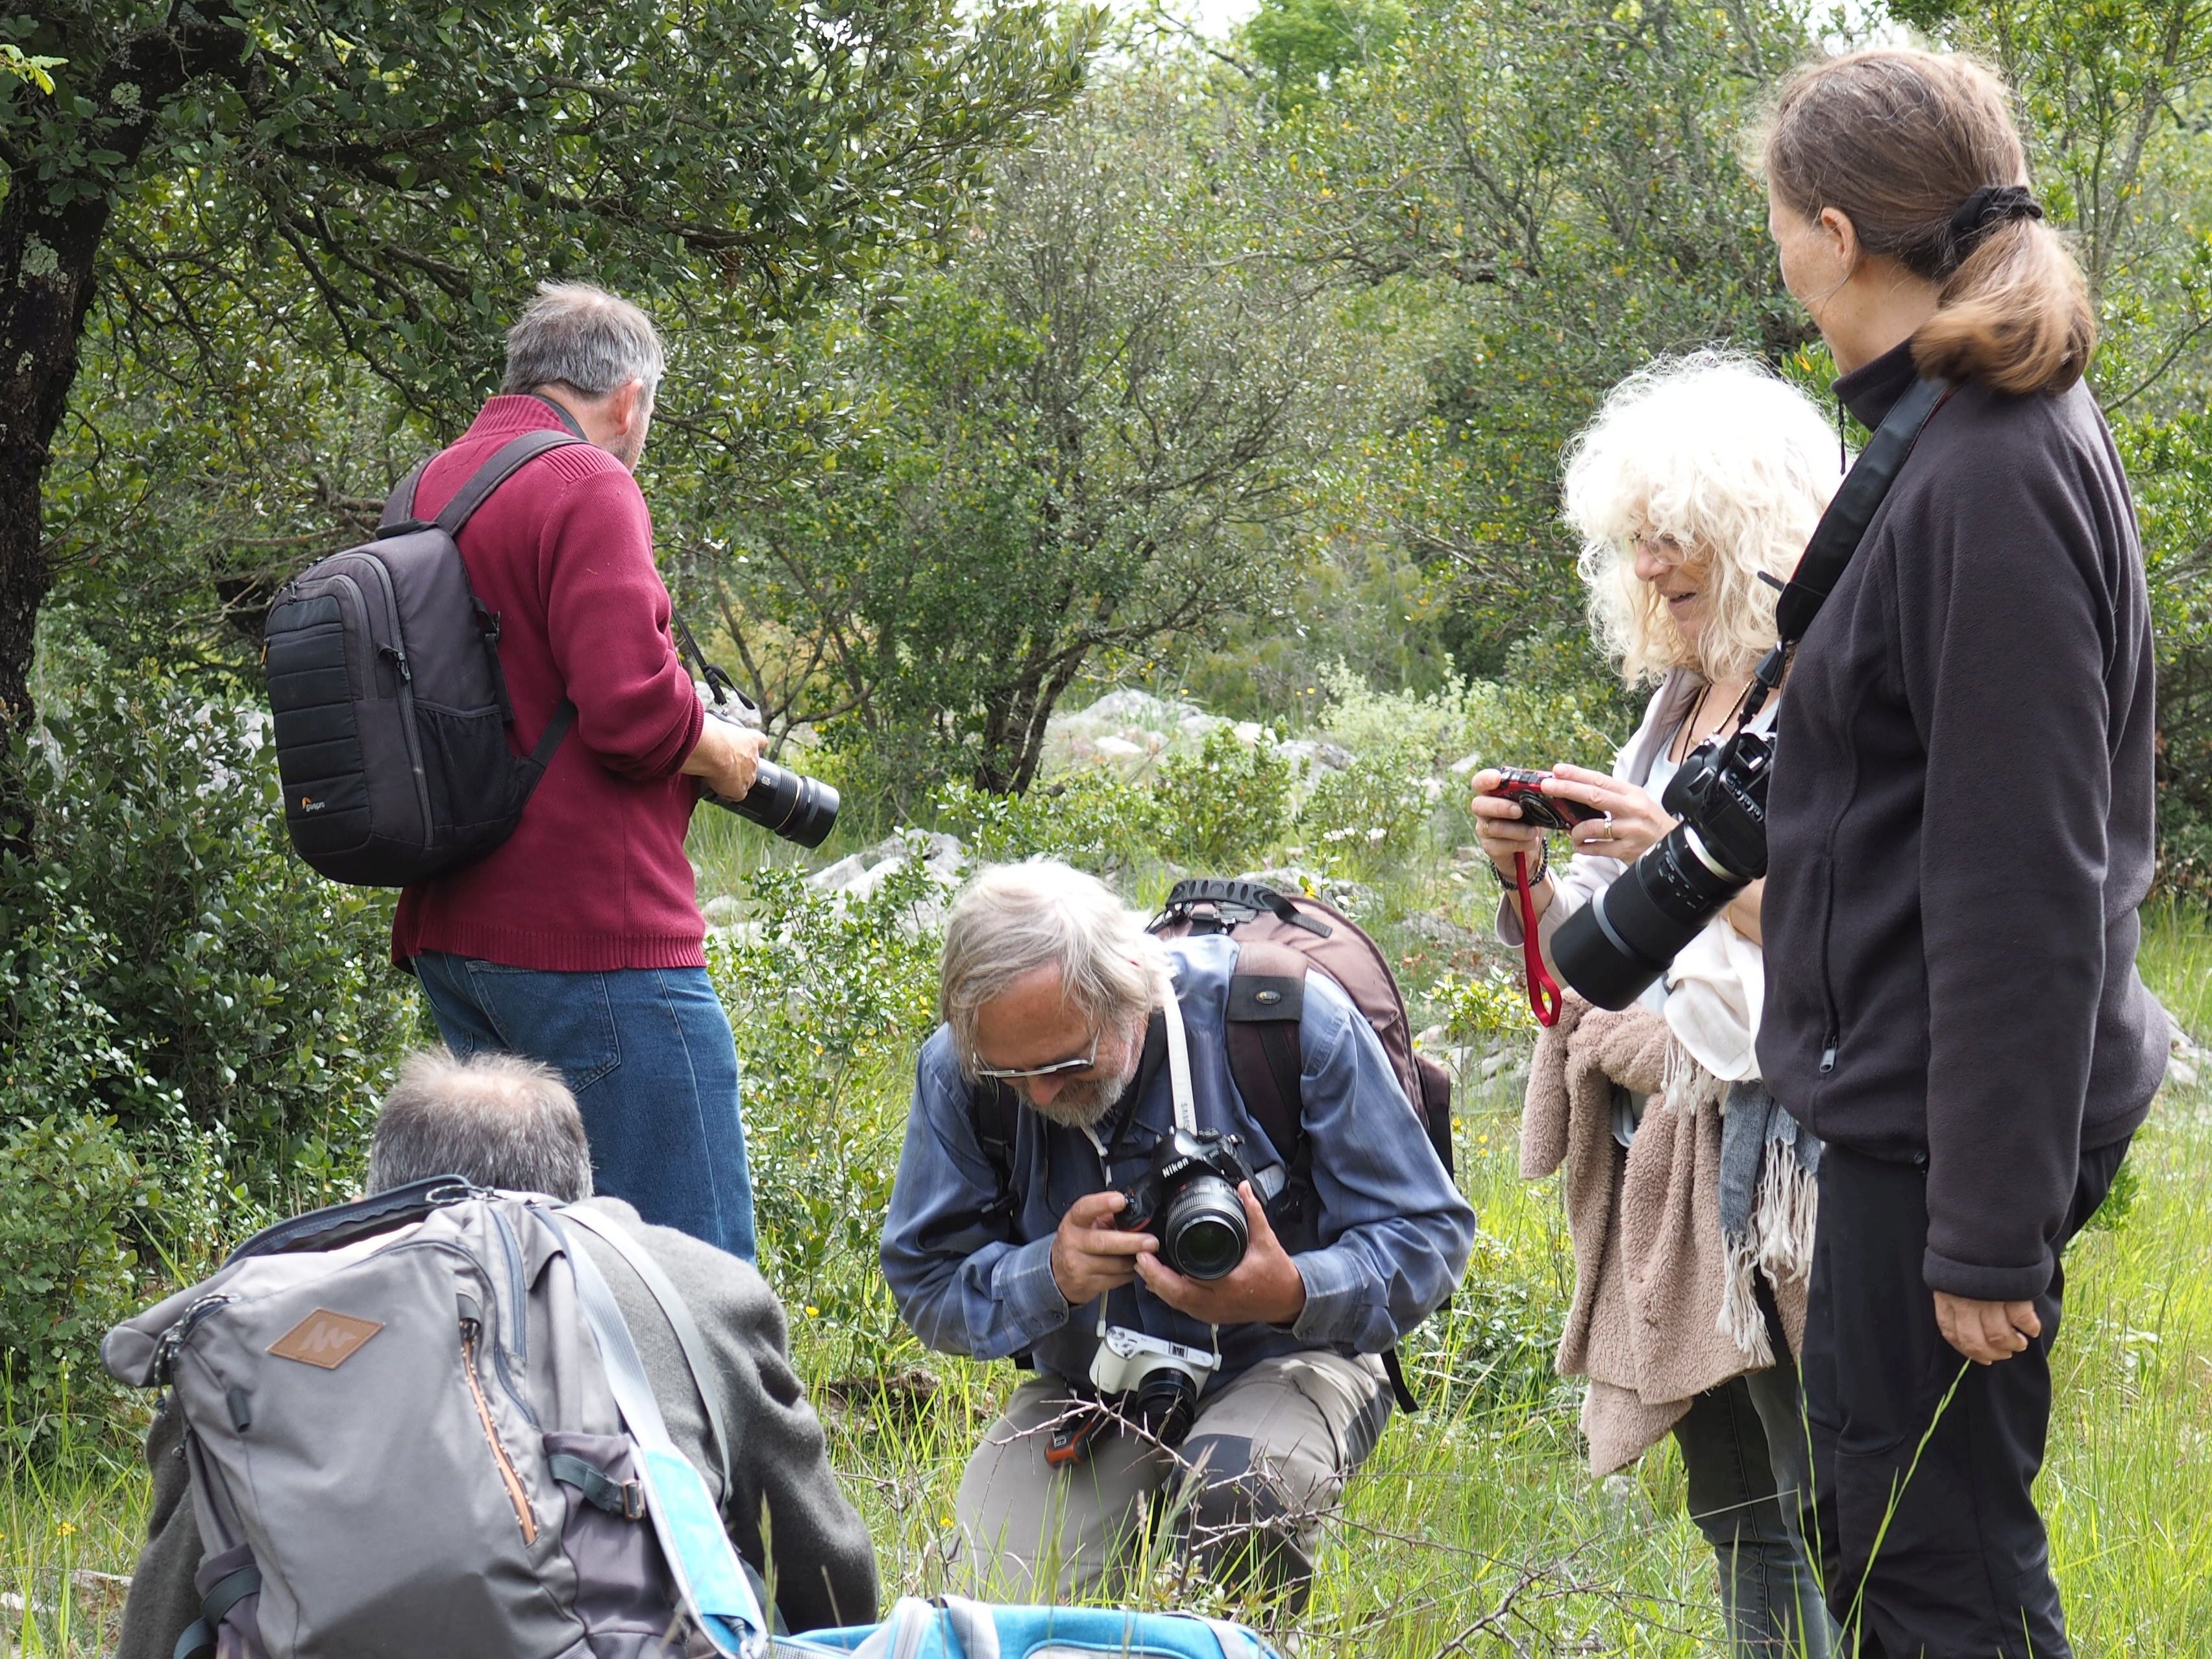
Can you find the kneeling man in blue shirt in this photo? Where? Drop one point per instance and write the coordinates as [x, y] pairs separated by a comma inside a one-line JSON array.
[[1214, 1418]]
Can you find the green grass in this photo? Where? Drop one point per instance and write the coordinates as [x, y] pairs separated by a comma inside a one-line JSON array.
[[2176, 959], [1476, 1528]]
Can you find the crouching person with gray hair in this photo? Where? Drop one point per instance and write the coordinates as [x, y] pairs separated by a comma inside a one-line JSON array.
[[1207, 1346], [503, 1123]]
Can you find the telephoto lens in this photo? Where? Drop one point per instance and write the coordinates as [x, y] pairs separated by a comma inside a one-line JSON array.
[[1203, 1234], [1611, 949], [799, 809]]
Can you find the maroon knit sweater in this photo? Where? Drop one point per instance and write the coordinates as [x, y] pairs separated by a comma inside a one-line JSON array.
[[594, 878]]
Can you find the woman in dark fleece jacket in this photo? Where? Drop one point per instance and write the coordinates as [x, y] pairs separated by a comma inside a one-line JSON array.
[[1960, 832]]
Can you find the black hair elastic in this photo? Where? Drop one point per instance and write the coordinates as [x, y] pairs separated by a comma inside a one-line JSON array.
[[1983, 211]]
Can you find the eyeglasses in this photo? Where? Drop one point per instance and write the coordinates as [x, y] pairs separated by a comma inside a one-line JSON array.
[[1660, 547], [1058, 1068]]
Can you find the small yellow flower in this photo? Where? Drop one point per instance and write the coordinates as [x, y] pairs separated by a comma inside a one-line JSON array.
[[812, 1312], [65, 1528]]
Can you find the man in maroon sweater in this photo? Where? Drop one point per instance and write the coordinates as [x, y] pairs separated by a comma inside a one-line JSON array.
[[579, 941]]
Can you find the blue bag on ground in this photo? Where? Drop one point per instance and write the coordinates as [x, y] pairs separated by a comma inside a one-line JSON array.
[[954, 1628]]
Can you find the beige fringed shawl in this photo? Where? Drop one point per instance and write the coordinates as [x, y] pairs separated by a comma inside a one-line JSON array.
[[1654, 1321]]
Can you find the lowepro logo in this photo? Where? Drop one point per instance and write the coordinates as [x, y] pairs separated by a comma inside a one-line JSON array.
[[308, 804], [324, 1339]]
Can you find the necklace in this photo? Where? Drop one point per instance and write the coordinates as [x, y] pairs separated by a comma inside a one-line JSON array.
[[1689, 737]]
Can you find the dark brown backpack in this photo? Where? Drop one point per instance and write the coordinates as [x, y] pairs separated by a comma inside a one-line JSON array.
[[1279, 937]]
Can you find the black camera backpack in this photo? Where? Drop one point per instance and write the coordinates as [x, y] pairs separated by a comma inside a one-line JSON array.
[[391, 715], [1279, 937]]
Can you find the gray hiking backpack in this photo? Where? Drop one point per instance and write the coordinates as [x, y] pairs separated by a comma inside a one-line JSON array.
[[404, 1444], [391, 712]]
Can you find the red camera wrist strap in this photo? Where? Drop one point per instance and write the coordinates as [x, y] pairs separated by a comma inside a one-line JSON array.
[[1543, 989]]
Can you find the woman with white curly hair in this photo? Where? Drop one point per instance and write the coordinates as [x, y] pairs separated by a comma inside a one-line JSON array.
[[1694, 490]]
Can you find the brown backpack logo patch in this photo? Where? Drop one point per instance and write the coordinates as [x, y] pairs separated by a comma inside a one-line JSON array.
[[324, 1339]]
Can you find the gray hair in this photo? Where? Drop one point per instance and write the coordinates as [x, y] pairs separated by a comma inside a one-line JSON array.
[[572, 334], [1014, 919], [498, 1120]]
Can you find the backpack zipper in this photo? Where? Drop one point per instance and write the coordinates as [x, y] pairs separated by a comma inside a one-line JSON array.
[[408, 734], [518, 1299], [166, 1347], [507, 1476]]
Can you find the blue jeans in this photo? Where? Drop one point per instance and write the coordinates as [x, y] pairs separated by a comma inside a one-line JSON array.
[[1748, 1458], [647, 1054]]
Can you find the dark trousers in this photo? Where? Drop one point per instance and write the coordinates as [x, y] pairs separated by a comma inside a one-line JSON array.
[[1928, 1536], [1745, 1450]]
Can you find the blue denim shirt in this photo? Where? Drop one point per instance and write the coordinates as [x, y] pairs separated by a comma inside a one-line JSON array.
[[1392, 1232]]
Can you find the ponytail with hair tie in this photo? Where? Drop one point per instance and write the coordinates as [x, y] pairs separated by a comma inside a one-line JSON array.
[[1983, 212], [1905, 143]]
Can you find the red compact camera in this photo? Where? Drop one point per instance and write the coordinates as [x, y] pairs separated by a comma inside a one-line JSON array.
[[1525, 789]]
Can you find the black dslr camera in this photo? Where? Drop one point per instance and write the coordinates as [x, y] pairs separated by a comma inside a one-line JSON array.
[[782, 802], [1189, 1198], [1613, 947]]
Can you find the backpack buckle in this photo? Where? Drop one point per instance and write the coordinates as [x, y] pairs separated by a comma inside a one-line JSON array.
[[632, 1500]]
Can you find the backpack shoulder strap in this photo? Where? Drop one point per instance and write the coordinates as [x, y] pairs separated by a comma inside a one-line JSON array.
[[494, 472], [710, 1582], [399, 509], [996, 1112], [1266, 1000], [399, 505], [677, 1313]]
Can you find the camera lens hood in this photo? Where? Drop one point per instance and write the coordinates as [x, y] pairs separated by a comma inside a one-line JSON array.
[[1204, 1233], [799, 809]]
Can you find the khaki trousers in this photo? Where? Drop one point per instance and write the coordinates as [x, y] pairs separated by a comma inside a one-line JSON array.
[[1242, 1499]]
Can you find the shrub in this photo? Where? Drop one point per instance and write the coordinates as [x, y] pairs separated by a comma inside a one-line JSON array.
[[2185, 851], [1491, 1345], [92, 1215], [239, 983], [1474, 1007], [1096, 819], [1431, 729], [828, 997], [76, 1206], [1220, 808], [1370, 814]]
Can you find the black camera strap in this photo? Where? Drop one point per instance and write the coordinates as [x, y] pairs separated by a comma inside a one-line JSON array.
[[1836, 538], [717, 679], [1844, 525]]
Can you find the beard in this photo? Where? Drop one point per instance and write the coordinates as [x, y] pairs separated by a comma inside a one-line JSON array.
[[1085, 1104]]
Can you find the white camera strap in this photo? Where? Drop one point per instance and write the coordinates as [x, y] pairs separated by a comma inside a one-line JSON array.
[[1186, 1105], [1186, 1115]]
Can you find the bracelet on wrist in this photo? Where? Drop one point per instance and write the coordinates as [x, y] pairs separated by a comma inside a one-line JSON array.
[[1543, 867]]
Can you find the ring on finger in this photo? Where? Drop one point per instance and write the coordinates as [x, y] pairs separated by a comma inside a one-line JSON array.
[[1609, 833]]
